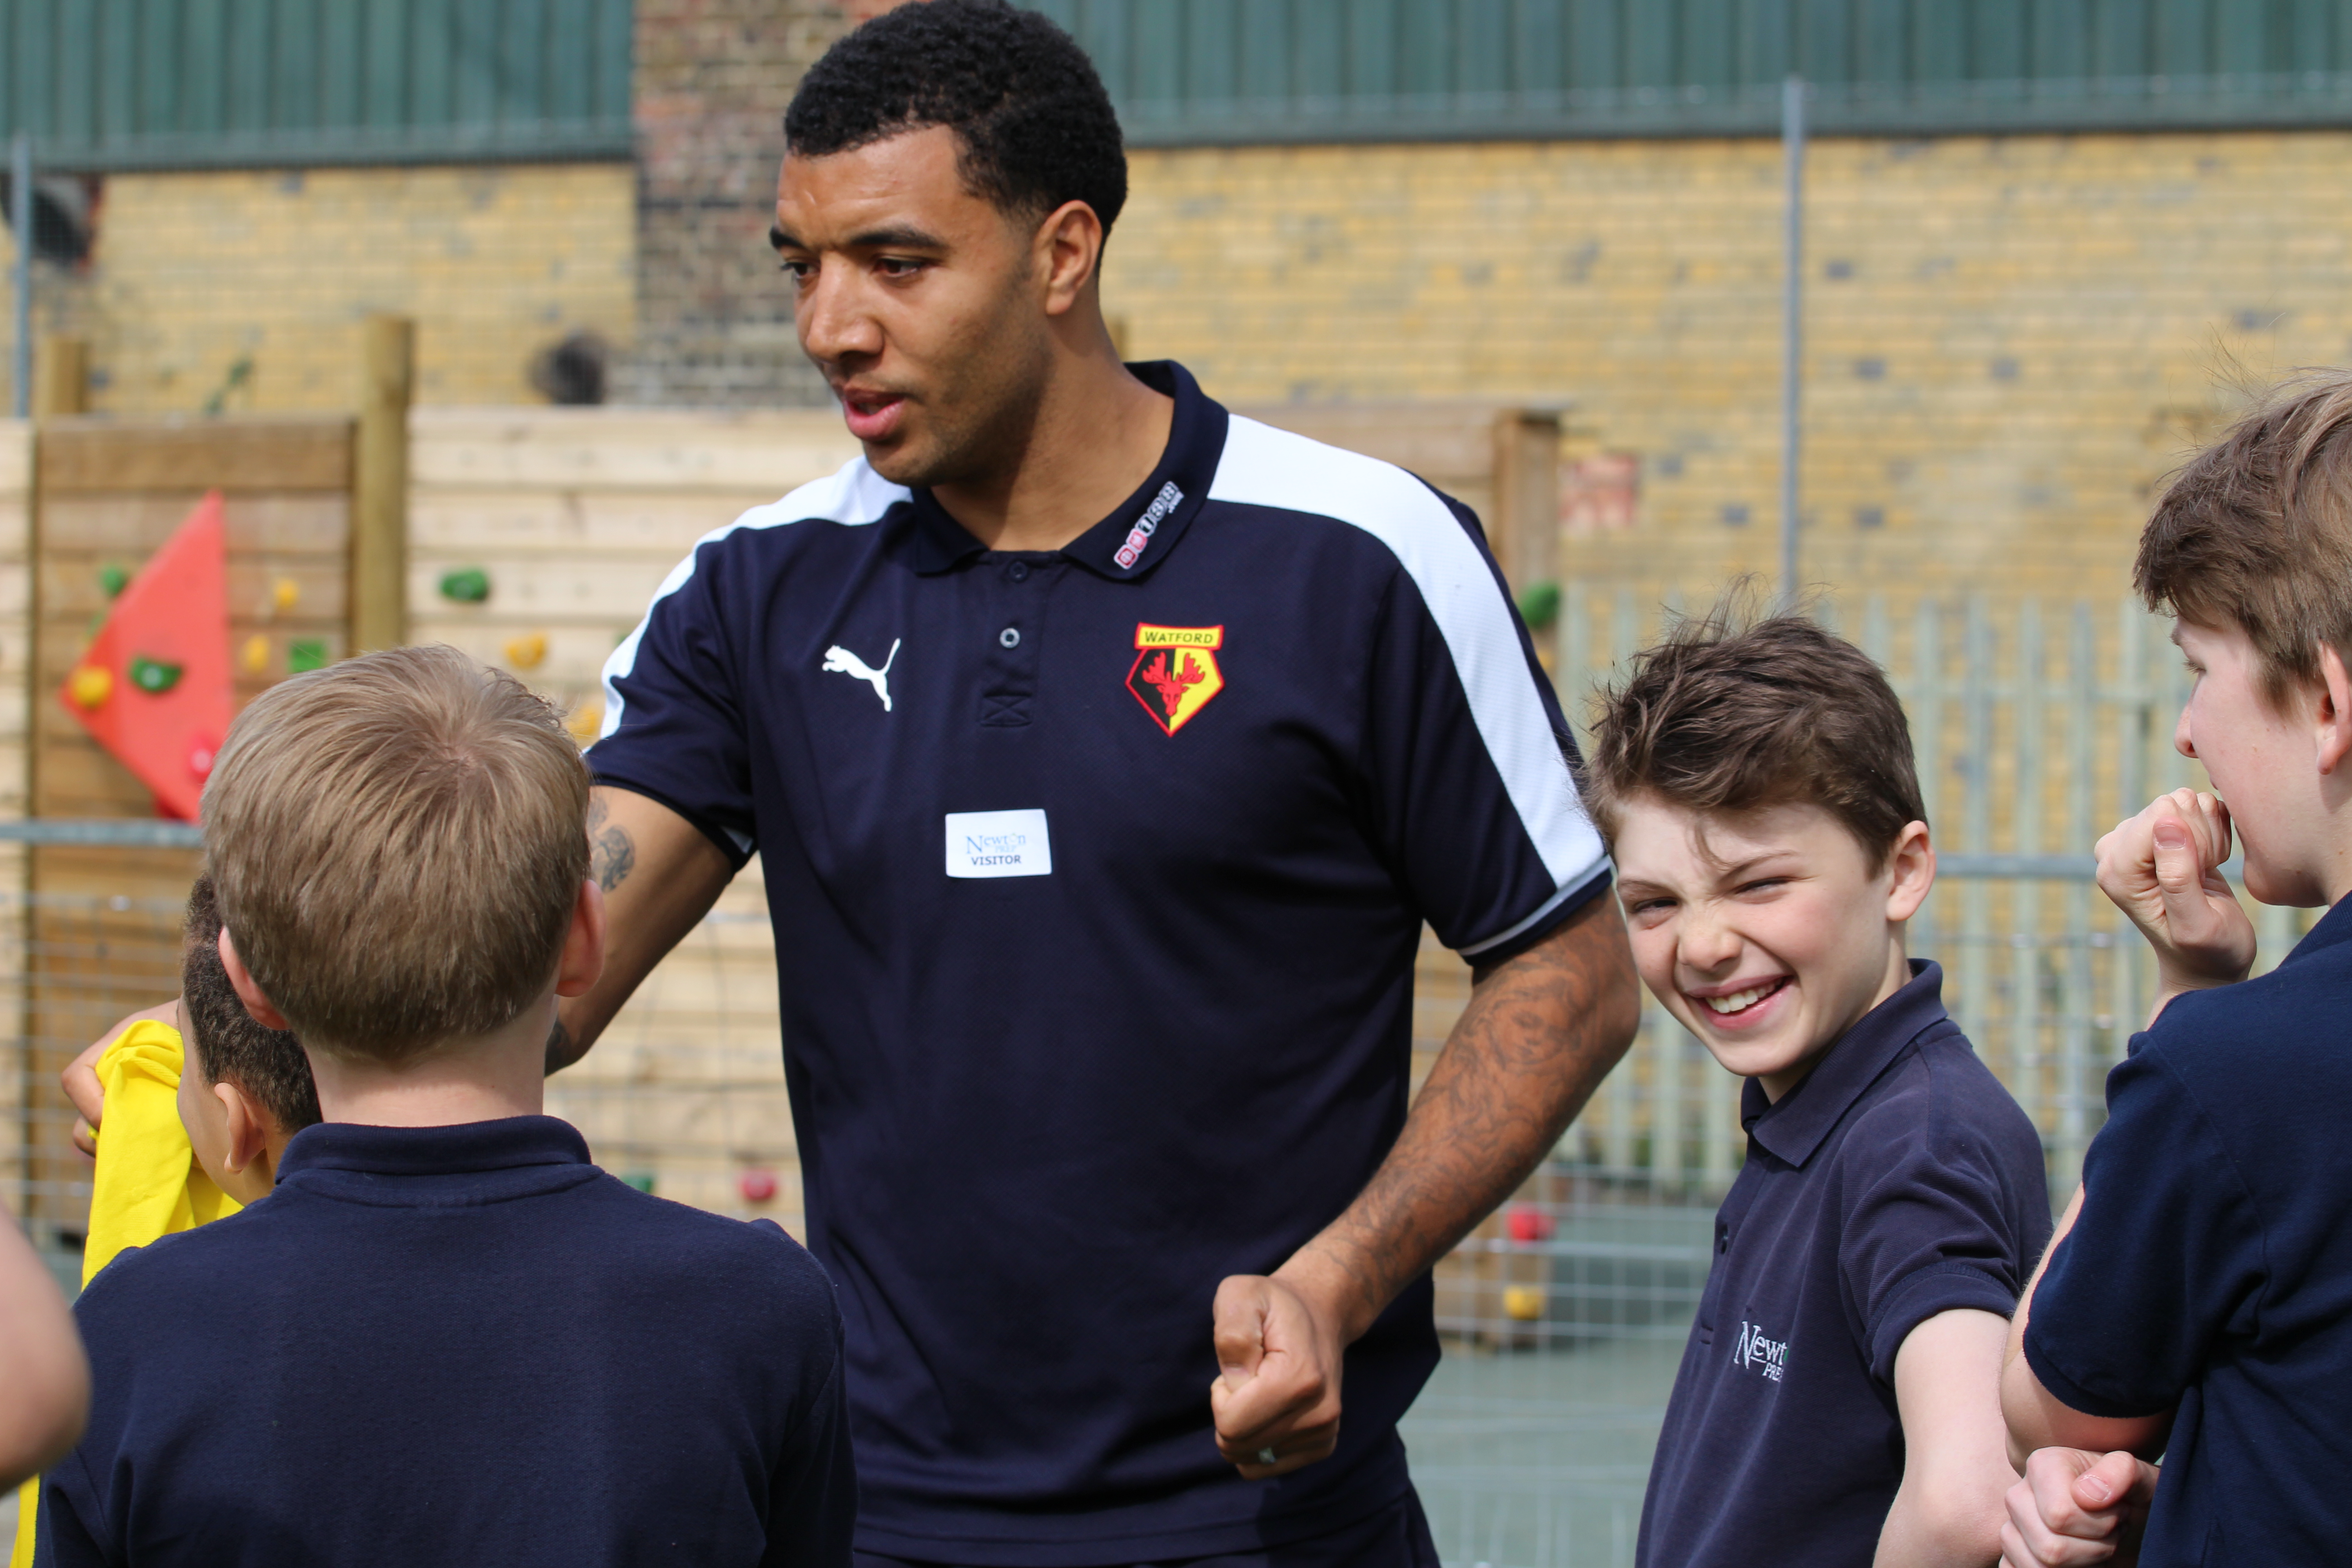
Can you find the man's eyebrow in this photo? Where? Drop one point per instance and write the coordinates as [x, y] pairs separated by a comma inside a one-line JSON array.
[[904, 237]]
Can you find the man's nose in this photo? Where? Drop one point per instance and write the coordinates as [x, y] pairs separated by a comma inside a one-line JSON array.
[[833, 323]]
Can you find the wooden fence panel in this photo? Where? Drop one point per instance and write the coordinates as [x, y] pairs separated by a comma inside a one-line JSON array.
[[109, 491]]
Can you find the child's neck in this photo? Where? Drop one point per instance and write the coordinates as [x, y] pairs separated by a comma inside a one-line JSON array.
[[487, 1077]]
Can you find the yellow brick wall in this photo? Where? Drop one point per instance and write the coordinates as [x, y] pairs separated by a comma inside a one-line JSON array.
[[193, 271], [2010, 339]]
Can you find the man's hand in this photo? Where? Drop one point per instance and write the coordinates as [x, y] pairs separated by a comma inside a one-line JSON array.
[[1541, 1030], [2073, 1506], [81, 1075], [2162, 868], [1277, 1387]]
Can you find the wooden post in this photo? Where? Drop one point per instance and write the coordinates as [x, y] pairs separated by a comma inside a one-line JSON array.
[[379, 581], [60, 378], [1525, 529]]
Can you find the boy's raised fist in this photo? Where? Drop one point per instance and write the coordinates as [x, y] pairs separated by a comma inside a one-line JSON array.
[[2162, 868]]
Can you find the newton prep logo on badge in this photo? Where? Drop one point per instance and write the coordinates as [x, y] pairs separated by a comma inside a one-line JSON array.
[[1175, 671]]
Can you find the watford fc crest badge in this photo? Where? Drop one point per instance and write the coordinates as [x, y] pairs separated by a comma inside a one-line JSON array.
[[1175, 671]]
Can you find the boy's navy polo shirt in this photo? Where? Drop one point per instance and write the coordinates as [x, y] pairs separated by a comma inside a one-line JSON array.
[[2210, 1267], [455, 1346], [1096, 878], [1896, 1180]]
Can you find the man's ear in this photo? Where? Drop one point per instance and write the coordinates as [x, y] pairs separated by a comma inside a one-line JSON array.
[[2333, 718], [248, 1128], [1911, 865], [1069, 247], [582, 960], [256, 1004]]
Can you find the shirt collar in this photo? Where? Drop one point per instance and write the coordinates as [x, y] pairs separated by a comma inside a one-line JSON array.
[[2332, 928], [1140, 531], [1794, 1126], [506, 1144]]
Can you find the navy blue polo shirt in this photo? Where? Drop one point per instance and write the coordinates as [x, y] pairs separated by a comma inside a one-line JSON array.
[[2210, 1267], [1096, 878], [1896, 1180], [452, 1346]]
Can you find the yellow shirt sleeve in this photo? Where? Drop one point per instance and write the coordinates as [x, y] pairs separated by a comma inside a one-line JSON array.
[[148, 1183]]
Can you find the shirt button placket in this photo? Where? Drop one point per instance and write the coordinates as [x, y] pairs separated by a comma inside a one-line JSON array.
[[1012, 663]]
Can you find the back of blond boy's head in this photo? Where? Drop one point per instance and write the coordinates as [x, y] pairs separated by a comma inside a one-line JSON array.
[[398, 842]]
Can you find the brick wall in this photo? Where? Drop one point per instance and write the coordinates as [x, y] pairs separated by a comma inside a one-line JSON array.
[[195, 273], [713, 78], [2010, 339]]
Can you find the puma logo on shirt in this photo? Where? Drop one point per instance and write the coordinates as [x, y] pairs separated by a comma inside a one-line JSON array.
[[840, 661]]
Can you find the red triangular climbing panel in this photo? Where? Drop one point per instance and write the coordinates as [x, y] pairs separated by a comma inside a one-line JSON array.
[[153, 687]]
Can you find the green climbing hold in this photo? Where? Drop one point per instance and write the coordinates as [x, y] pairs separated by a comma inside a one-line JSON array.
[[304, 655], [466, 586], [1539, 604], [153, 676], [641, 1180], [113, 578]]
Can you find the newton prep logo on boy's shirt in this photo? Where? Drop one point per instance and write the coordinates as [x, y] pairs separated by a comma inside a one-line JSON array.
[[1770, 1357]]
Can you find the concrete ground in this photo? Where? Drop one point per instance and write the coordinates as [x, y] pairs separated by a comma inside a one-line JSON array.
[[1538, 1459]]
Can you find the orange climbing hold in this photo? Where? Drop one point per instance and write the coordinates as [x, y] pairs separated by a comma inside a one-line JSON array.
[[173, 616]]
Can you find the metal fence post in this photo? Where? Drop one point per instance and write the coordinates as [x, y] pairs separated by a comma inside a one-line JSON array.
[[20, 219]]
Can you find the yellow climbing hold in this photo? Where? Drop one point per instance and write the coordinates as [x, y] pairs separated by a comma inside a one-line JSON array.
[[1523, 1303], [586, 721], [90, 686], [284, 591], [527, 651], [256, 654]]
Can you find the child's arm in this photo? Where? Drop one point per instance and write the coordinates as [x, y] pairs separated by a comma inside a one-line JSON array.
[[43, 1376], [1948, 1509], [2037, 1418]]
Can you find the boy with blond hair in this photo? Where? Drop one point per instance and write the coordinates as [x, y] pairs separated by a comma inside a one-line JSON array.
[[1835, 1404], [446, 1337], [2198, 1299]]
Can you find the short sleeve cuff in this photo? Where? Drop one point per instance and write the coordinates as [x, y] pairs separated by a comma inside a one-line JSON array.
[[1515, 940], [1920, 1295], [2070, 1393], [738, 851]]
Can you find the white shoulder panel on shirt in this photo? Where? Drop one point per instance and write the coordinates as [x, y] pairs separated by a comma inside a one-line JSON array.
[[1266, 467], [853, 494]]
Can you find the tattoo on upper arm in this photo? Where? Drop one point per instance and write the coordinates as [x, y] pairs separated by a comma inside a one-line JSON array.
[[612, 853]]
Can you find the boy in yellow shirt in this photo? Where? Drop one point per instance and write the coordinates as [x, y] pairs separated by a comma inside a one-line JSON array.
[[183, 1148]]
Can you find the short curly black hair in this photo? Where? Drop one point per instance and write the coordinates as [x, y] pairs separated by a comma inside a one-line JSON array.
[[1033, 123]]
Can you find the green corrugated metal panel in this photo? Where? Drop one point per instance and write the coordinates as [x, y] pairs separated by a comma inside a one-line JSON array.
[[125, 84], [1192, 72]]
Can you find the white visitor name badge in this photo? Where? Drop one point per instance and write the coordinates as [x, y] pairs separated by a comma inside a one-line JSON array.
[[998, 844]]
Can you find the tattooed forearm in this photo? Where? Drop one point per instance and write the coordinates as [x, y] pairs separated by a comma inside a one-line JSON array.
[[611, 854], [1540, 1033]]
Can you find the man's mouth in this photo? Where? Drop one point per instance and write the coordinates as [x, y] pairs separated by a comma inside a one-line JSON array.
[[872, 415], [1737, 1003]]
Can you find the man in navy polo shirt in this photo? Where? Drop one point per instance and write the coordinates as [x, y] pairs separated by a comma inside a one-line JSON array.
[[1106, 755]]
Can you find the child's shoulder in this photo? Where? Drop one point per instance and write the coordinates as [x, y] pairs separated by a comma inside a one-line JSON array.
[[667, 1238], [1939, 1097]]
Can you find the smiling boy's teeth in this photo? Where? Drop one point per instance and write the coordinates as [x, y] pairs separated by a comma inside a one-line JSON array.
[[1738, 999]]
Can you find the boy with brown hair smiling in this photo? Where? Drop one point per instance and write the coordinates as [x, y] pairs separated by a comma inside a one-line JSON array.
[[2198, 1299], [446, 1337], [1835, 1404]]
